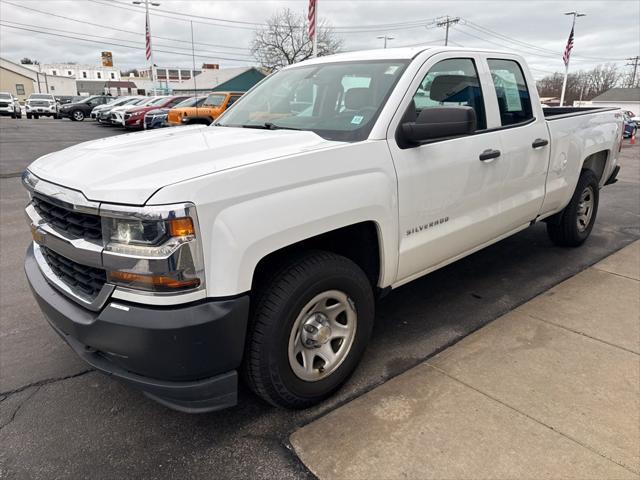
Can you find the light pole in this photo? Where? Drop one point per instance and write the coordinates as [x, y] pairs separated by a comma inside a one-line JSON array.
[[385, 37], [147, 33], [568, 53]]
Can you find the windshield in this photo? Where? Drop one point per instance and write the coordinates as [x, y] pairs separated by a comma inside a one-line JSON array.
[[338, 101], [5, 95], [158, 100], [190, 102], [37, 96], [214, 100]]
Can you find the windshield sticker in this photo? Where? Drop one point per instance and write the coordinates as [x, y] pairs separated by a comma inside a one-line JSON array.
[[357, 119]]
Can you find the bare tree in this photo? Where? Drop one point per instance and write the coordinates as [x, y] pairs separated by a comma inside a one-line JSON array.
[[284, 40], [583, 85]]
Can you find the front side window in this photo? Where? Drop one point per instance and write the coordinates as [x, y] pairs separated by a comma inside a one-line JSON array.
[[338, 101], [452, 82], [19, 89], [512, 92], [232, 100]]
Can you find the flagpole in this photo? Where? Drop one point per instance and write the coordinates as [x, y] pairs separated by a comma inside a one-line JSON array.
[[315, 31], [566, 66]]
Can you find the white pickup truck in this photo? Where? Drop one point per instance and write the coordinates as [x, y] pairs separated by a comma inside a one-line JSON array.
[[178, 259]]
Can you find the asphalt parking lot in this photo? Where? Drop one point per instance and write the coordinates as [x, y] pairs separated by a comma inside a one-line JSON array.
[[60, 420]]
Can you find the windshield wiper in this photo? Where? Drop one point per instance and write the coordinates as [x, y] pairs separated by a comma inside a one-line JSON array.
[[269, 126]]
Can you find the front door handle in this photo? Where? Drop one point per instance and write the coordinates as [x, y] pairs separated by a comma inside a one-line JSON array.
[[489, 154], [540, 142]]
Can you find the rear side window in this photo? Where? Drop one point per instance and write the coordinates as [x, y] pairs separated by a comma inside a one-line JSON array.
[[512, 92], [452, 82]]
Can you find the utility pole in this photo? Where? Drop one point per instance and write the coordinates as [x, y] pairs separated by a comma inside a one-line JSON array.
[[148, 37], [566, 65], [385, 37], [446, 22], [635, 61]]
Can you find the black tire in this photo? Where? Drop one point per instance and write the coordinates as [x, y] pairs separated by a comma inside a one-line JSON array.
[[566, 229], [77, 116], [13, 114], [267, 369], [19, 115], [36, 117], [29, 116]]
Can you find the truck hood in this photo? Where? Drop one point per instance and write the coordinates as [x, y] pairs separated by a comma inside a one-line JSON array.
[[129, 169]]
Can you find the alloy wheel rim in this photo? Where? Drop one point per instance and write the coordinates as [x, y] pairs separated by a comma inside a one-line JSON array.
[[585, 209], [78, 115], [322, 335]]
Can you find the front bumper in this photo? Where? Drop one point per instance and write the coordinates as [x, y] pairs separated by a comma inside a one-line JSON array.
[[184, 357]]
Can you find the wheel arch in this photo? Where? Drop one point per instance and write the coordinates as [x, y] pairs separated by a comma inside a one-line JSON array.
[[597, 163], [359, 242]]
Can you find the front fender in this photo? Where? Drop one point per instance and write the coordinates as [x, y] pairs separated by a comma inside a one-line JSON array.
[[249, 212]]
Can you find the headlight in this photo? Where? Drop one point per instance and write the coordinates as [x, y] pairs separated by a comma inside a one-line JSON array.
[[156, 249]]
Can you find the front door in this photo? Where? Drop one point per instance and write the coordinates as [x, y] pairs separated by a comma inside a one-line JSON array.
[[449, 198]]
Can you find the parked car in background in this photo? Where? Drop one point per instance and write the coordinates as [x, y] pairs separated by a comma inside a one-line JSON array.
[[157, 118], [41, 105], [134, 117], [116, 102], [116, 116], [630, 126], [210, 109], [9, 105], [104, 115], [78, 111], [64, 99]]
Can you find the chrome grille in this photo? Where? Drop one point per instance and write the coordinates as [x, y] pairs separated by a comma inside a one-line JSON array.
[[79, 277], [76, 224], [37, 103]]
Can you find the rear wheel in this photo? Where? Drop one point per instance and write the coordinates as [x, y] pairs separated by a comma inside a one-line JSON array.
[[28, 115], [310, 327], [572, 226]]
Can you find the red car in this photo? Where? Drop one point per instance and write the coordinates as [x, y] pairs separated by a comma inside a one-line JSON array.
[[134, 117]]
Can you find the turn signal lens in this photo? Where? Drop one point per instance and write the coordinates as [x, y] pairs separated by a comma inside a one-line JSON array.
[[180, 227], [151, 282]]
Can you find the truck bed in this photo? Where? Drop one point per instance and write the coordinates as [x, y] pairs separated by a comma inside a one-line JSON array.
[[554, 113]]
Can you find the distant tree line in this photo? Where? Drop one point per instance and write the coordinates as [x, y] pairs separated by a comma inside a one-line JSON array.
[[587, 84]]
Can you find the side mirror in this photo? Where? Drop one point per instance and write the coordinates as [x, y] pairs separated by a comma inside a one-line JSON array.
[[440, 122]]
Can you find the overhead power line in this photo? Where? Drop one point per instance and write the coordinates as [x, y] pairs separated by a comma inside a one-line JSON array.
[[85, 22], [211, 52], [100, 42]]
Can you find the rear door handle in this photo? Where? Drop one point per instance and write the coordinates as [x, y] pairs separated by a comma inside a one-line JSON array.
[[489, 154], [540, 142]]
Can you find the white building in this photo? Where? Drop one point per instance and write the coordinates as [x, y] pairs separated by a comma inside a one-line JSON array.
[[41, 82], [78, 72], [169, 74], [624, 98]]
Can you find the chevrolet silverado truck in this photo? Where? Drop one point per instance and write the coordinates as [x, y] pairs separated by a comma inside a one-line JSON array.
[[257, 247]]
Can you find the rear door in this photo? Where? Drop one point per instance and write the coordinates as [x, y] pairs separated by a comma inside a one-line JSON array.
[[449, 198], [525, 142]]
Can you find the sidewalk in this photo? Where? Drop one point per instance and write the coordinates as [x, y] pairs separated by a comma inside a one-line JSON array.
[[550, 390]]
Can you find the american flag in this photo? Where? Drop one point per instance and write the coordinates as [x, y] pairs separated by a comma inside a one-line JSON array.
[[567, 49], [312, 18], [147, 37]]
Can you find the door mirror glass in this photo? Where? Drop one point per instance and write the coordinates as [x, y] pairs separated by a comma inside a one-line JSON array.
[[440, 122]]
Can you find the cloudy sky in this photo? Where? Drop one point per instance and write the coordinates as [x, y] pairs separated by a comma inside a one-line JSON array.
[[223, 29]]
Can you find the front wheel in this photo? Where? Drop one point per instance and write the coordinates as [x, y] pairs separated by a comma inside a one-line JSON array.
[[310, 327], [77, 116], [572, 226]]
